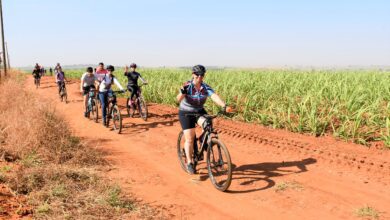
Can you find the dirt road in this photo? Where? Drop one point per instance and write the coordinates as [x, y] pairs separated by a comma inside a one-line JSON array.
[[277, 175]]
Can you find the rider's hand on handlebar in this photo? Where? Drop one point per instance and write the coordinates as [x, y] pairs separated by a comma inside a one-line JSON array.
[[227, 109]]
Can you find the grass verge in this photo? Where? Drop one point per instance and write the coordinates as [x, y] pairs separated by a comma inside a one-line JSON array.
[[54, 171]]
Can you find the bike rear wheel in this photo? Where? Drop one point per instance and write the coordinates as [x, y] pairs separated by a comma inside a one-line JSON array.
[[219, 165], [142, 108]]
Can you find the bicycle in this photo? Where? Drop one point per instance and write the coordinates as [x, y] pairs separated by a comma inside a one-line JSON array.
[[114, 112], [63, 93], [93, 105], [137, 104], [218, 158]]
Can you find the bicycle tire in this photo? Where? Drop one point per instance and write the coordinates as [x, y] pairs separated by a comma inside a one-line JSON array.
[[181, 152], [65, 96], [142, 108], [95, 111], [213, 165], [108, 114], [116, 119]]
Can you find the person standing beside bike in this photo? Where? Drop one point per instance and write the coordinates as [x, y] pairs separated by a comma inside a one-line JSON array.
[[132, 78], [105, 90], [192, 97], [60, 79], [88, 80]]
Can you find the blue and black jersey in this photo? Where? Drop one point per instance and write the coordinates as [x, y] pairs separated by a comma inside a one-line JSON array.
[[195, 99]]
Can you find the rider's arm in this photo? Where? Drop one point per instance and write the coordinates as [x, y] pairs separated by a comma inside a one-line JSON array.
[[180, 97], [218, 100], [142, 79], [118, 84], [82, 82], [182, 93]]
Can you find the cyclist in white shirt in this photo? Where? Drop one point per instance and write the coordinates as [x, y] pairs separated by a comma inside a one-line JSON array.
[[88, 80], [105, 90]]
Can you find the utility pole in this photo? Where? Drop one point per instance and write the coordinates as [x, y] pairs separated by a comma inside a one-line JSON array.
[[6, 48], [2, 38]]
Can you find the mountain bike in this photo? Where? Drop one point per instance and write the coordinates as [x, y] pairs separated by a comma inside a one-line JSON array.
[[218, 160], [93, 105], [63, 93], [139, 104], [113, 112]]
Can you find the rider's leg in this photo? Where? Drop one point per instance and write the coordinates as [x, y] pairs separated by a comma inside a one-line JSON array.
[[132, 91], [85, 97], [59, 87], [189, 136], [103, 102]]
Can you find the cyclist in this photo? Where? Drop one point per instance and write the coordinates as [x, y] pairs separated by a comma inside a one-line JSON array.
[[51, 71], [60, 79], [36, 72], [105, 90], [88, 80], [192, 97], [132, 77]]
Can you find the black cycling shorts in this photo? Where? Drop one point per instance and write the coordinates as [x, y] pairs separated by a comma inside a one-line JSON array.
[[86, 89], [187, 121]]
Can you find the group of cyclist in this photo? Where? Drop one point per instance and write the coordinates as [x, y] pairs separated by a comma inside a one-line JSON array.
[[102, 79], [192, 97]]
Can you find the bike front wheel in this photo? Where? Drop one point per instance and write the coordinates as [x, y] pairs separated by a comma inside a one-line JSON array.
[[116, 119], [95, 110], [143, 108], [181, 154], [219, 165]]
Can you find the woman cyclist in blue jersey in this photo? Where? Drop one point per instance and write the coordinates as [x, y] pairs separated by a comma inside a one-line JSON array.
[[192, 97]]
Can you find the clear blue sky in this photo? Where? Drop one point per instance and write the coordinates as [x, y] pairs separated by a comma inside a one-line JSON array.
[[214, 32]]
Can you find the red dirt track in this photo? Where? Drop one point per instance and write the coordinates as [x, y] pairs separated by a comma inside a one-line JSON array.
[[324, 178]]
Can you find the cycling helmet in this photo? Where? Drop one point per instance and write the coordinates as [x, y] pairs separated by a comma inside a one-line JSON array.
[[111, 68], [133, 65], [89, 70], [199, 70]]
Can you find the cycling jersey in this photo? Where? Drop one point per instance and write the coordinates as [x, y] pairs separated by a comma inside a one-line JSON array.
[[36, 73], [88, 80], [195, 99], [132, 78], [60, 76]]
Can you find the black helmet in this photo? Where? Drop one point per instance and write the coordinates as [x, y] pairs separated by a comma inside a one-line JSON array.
[[89, 70], [111, 68], [199, 69], [133, 65]]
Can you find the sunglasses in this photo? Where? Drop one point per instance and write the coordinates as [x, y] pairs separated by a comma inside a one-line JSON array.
[[199, 75]]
